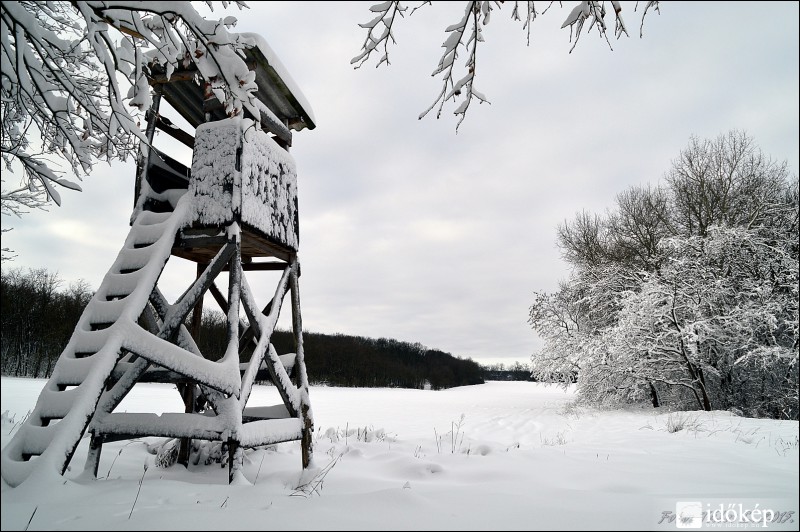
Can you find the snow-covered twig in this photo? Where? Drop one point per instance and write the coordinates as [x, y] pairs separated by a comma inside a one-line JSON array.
[[138, 491], [314, 485]]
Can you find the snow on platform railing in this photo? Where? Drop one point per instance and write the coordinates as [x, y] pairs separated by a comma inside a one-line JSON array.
[[240, 174]]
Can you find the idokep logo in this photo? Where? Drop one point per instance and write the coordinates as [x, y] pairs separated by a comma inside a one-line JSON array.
[[689, 514], [720, 514]]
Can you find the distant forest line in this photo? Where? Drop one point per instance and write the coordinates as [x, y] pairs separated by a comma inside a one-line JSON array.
[[39, 316]]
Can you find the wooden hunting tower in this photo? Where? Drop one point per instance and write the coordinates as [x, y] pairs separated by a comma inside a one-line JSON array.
[[234, 211]]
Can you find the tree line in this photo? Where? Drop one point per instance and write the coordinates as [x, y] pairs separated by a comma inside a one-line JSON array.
[[685, 293], [39, 315], [516, 371], [355, 361]]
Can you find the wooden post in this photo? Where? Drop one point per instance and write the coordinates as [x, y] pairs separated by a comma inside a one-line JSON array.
[[235, 459], [185, 448], [197, 315], [301, 377], [93, 459], [235, 452], [187, 393], [144, 149]]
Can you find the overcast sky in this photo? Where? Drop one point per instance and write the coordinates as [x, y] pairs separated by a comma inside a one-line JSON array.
[[412, 231]]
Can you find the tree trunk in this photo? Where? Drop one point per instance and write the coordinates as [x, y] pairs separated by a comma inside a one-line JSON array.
[[654, 395], [706, 399]]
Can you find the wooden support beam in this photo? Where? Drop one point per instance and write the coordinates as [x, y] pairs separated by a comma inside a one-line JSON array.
[[184, 74], [263, 266], [160, 304], [93, 459], [175, 132], [264, 348], [197, 314], [178, 75], [248, 335], [234, 298], [178, 312], [187, 390], [235, 459], [144, 147], [168, 330], [301, 377], [185, 446], [203, 242], [279, 129], [218, 297]]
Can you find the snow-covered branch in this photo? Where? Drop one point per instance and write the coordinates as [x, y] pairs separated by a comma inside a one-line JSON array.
[[467, 33], [379, 32], [75, 83], [687, 293]]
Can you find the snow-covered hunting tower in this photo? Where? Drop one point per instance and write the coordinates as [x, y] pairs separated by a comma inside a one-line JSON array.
[[234, 213]]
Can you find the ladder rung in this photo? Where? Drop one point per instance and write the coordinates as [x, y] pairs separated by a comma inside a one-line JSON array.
[[80, 377], [47, 420]]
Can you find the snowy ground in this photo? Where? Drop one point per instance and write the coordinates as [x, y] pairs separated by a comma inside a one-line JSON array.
[[522, 457]]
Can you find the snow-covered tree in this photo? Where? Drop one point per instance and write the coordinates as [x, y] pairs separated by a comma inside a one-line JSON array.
[[720, 320], [75, 83], [572, 321], [727, 180], [466, 33], [687, 293]]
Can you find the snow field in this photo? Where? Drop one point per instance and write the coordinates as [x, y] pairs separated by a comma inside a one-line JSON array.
[[523, 456]]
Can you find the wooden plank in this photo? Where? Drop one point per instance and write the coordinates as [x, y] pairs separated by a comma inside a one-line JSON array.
[[255, 245], [125, 425], [259, 413], [263, 266]]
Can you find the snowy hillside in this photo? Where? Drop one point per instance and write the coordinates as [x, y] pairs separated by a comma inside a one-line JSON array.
[[504, 455]]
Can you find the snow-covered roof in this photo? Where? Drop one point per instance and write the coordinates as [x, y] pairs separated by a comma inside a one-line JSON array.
[[276, 89], [275, 65]]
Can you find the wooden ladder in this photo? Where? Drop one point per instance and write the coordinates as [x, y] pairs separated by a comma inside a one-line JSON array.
[[110, 351]]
